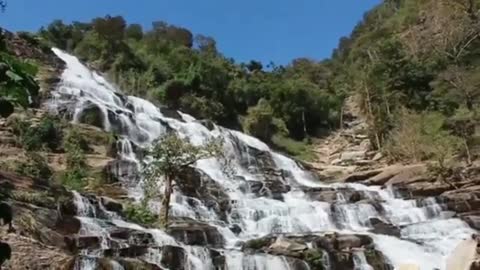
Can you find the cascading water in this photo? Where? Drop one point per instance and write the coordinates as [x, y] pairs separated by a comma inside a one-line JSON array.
[[426, 236]]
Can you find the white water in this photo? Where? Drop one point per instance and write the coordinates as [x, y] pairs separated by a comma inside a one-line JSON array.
[[432, 237]]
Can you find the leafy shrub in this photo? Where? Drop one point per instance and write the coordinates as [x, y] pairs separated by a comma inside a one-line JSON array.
[[422, 136], [299, 149], [35, 166], [139, 213], [73, 179], [33, 197], [47, 134]]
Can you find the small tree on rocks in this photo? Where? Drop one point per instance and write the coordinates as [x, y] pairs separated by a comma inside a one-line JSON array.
[[170, 157]]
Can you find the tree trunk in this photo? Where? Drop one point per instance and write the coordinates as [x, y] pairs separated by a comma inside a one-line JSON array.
[[164, 215], [467, 149], [304, 123]]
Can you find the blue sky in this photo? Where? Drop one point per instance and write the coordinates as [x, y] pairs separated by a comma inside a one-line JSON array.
[[265, 30]]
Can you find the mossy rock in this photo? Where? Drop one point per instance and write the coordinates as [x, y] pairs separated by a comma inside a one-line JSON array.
[[377, 260], [315, 258]]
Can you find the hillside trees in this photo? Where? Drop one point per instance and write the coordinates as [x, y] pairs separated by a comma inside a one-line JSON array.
[[169, 65]]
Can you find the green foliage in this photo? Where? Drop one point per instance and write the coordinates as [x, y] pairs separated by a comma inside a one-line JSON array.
[[298, 149], [47, 134], [40, 198], [77, 171], [73, 179], [17, 84], [168, 159], [315, 258], [35, 166], [261, 123], [423, 136], [169, 65], [140, 214]]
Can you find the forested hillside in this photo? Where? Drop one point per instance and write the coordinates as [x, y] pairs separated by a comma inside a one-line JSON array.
[[411, 65]]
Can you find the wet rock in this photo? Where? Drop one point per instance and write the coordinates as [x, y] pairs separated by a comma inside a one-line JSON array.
[[173, 257], [121, 170], [381, 227], [171, 113], [287, 247], [133, 237], [92, 115], [235, 228], [199, 185], [135, 264], [76, 243], [352, 241], [111, 204], [377, 260], [208, 124], [192, 232]]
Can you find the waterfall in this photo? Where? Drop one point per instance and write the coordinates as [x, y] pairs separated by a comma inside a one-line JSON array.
[[426, 237]]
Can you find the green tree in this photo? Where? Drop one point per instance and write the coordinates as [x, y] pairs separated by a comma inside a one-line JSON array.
[[17, 85], [134, 31], [261, 123], [170, 157]]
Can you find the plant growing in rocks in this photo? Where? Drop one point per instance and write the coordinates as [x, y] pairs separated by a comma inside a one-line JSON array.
[[170, 157]]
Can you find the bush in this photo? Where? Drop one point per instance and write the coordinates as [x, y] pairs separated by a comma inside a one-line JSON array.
[[418, 137], [139, 213], [35, 166], [298, 149], [261, 123], [47, 134], [74, 179]]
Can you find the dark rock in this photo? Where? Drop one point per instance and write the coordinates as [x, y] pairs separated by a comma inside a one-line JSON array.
[[111, 205], [208, 124], [92, 115], [136, 264], [196, 233], [381, 227], [235, 228], [377, 260], [121, 170], [173, 257], [6, 108], [198, 184], [68, 225], [76, 243], [133, 237], [171, 113]]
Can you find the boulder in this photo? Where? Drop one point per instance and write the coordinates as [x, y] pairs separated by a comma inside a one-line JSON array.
[[197, 184], [92, 115], [192, 232], [381, 227], [111, 204], [397, 174], [76, 243], [352, 156], [286, 247]]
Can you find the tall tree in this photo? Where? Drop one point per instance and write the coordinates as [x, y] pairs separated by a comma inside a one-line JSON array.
[[170, 157]]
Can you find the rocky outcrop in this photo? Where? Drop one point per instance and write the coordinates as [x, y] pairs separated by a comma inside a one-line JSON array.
[[195, 233], [339, 250], [197, 184]]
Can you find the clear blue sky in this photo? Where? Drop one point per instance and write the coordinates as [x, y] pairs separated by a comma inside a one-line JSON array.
[[277, 30]]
